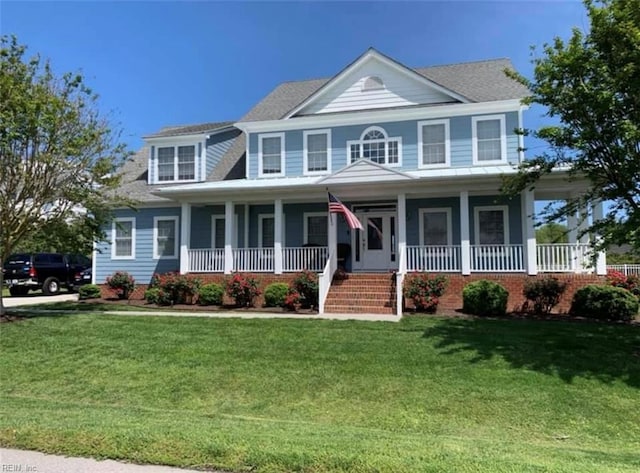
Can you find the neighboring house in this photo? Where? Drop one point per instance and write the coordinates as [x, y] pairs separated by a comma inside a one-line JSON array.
[[416, 154]]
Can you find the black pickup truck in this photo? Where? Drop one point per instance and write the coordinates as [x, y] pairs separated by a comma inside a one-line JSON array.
[[50, 272]]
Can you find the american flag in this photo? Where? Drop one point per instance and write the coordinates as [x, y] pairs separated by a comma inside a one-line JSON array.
[[337, 207]]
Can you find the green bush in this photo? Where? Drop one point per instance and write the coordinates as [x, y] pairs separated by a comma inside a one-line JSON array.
[[156, 295], [544, 293], [424, 290], [122, 283], [275, 294], [484, 298], [604, 302], [210, 294], [89, 291], [305, 284], [178, 288]]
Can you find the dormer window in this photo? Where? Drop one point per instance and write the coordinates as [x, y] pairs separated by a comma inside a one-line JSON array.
[[372, 83], [376, 146], [176, 163]]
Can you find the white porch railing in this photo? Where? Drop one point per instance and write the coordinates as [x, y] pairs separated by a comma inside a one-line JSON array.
[[255, 260], [324, 281], [563, 257], [626, 269], [496, 258], [312, 258], [206, 260], [433, 258]]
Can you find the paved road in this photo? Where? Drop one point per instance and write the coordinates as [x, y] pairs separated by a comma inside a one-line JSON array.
[[35, 462], [36, 299]]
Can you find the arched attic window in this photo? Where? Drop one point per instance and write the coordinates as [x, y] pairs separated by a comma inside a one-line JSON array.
[[372, 83], [374, 144]]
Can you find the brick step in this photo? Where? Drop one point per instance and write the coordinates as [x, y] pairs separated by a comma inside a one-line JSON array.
[[363, 280], [346, 291], [357, 300], [348, 309], [387, 303]]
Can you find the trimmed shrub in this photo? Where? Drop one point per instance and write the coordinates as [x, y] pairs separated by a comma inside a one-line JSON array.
[[155, 295], [210, 294], [89, 291], [122, 283], [604, 302], [243, 289], [275, 294], [484, 298], [178, 288], [544, 293], [305, 284], [424, 290]]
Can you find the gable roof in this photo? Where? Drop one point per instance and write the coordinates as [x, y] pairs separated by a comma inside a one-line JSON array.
[[479, 81], [197, 129], [366, 170]]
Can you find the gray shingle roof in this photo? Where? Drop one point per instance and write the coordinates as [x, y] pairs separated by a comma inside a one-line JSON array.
[[134, 179], [178, 130], [480, 81], [232, 163]]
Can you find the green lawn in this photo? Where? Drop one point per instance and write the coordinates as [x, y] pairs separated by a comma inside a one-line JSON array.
[[423, 395]]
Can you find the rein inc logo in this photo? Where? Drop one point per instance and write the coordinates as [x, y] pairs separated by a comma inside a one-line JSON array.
[[17, 468]]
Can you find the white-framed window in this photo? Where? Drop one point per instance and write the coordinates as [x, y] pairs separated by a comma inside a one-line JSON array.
[[317, 152], [375, 145], [435, 227], [123, 238], [176, 163], [491, 225], [315, 228], [217, 231], [165, 237], [434, 148], [271, 154], [489, 139], [266, 230]]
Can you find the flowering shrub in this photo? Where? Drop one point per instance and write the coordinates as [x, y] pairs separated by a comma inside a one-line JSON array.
[[305, 284], [243, 289], [122, 283], [291, 300], [631, 282], [544, 293], [424, 290], [176, 288]]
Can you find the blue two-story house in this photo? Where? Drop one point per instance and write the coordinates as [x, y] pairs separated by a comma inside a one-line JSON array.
[[416, 154]]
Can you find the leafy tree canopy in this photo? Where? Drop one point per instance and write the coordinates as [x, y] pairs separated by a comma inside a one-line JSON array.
[[552, 232], [590, 85], [58, 155]]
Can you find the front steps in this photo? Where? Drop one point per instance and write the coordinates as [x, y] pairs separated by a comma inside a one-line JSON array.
[[362, 293]]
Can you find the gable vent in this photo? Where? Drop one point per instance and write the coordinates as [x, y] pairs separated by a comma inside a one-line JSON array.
[[372, 83]]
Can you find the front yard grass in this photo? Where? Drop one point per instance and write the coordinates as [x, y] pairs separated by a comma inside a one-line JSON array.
[[425, 394]]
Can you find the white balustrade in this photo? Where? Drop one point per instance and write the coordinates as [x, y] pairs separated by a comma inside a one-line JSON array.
[[496, 258], [563, 257], [312, 258], [626, 269], [433, 258], [206, 260], [324, 281], [254, 260]]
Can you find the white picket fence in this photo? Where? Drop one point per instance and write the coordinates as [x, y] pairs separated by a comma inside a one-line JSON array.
[[563, 257], [439, 259], [626, 269], [496, 258], [258, 260], [311, 258], [206, 261]]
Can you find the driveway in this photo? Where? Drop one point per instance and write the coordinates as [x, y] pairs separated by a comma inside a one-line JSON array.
[[11, 301]]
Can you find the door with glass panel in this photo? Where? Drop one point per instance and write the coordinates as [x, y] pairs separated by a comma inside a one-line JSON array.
[[375, 245]]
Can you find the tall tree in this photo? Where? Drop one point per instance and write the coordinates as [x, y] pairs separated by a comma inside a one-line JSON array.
[[552, 232], [590, 86], [58, 155]]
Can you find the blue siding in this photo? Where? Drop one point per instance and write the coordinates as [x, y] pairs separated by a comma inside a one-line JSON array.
[[143, 266], [515, 213], [460, 136], [201, 229], [217, 145], [413, 217]]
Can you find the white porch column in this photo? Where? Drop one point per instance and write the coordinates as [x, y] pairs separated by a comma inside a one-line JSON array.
[[465, 243], [402, 231], [228, 237], [246, 225], [185, 227], [581, 258], [572, 224], [601, 261], [277, 236], [529, 235]]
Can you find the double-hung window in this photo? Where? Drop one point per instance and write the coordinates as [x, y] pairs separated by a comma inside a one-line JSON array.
[[492, 225], [123, 238], [433, 143], [375, 145], [165, 237], [317, 151], [489, 139], [435, 227], [176, 163], [271, 154], [315, 229]]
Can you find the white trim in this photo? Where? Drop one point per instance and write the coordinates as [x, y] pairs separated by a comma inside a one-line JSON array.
[[247, 155], [380, 116], [465, 244], [474, 139], [447, 210], [94, 262], [175, 145], [150, 165], [282, 161], [156, 255], [187, 136], [132, 220], [360, 143], [185, 234], [385, 60], [203, 160], [305, 225], [261, 217], [447, 144], [505, 221], [215, 217], [305, 156], [520, 136], [374, 128]]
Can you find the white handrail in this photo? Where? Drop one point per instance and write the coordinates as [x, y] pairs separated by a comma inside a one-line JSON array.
[[563, 257], [255, 260], [402, 269], [440, 258], [324, 283], [626, 269], [206, 260], [311, 258], [496, 258]]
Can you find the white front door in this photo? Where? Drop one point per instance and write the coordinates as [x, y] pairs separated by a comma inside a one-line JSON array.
[[376, 244]]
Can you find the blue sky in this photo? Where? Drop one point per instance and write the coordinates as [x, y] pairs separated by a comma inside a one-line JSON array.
[[165, 63]]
